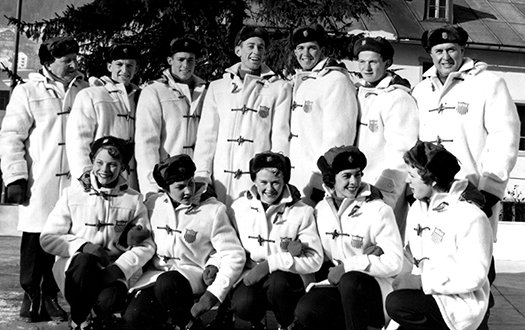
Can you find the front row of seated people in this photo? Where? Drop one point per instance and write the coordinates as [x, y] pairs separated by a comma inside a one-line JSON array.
[[340, 266]]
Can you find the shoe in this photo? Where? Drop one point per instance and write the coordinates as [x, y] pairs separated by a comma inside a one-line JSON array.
[[52, 309], [29, 309]]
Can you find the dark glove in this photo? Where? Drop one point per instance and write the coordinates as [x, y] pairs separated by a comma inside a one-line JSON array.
[[133, 235], [317, 195], [256, 274], [98, 251], [15, 192], [490, 201], [209, 274], [205, 303], [85, 181], [295, 248], [111, 274], [374, 250], [335, 274]]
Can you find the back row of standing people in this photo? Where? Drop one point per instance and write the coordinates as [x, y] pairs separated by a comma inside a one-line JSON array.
[[248, 111]]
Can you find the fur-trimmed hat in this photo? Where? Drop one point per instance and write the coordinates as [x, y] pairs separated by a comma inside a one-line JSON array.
[[442, 35], [270, 160], [187, 45], [338, 159], [173, 169], [123, 52], [124, 147], [249, 31], [378, 45], [308, 33], [57, 47]]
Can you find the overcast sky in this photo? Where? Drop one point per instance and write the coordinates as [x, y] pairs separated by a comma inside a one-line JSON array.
[[35, 9]]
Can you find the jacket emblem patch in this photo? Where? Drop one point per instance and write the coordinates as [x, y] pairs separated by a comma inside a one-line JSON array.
[[437, 235], [462, 108], [356, 242], [264, 111], [373, 125], [190, 236], [120, 225], [284, 243], [308, 106]]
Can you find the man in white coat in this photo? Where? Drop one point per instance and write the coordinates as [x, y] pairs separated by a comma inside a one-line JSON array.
[[324, 110], [388, 122], [168, 112], [245, 112], [34, 165], [107, 108]]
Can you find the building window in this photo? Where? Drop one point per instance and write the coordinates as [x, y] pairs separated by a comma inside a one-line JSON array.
[[440, 10], [521, 113]]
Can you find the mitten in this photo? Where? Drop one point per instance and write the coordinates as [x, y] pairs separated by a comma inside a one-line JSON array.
[[257, 273], [335, 274], [295, 248], [98, 251], [15, 192], [85, 181], [133, 235], [209, 274], [205, 303], [490, 201], [111, 274]]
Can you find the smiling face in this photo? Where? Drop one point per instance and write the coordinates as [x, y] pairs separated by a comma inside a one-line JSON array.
[[182, 65], [420, 189], [347, 182], [308, 54], [107, 165], [182, 191], [64, 67], [372, 66], [447, 58], [251, 52], [123, 71], [270, 184]]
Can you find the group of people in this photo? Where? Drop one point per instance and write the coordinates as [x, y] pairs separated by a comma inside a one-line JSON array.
[[259, 193]]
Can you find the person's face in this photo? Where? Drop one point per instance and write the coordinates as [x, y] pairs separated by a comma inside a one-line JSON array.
[[447, 58], [123, 71], [64, 67], [105, 167], [182, 65], [182, 191], [347, 182], [308, 54], [269, 185], [251, 52], [372, 66], [419, 188]]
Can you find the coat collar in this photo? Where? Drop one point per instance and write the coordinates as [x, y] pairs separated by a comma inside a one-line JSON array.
[[103, 192], [468, 67], [168, 78], [266, 72]]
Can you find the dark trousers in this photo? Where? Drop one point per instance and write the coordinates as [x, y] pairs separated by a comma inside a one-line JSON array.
[[170, 296], [279, 292], [413, 309], [84, 289], [36, 276], [355, 303]]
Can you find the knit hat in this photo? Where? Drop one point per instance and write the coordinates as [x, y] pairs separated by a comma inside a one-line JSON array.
[[185, 44], [270, 160], [338, 159], [378, 45], [249, 31], [442, 35], [173, 169], [123, 51], [124, 147], [57, 47], [308, 33]]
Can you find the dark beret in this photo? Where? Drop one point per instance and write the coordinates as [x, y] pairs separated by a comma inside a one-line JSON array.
[[173, 169], [270, 160], [442, 35], [337, 159], [249, 31], [57, 47], [187, 45], [124, 147], [308, 33], [378, 45], [123, 52]]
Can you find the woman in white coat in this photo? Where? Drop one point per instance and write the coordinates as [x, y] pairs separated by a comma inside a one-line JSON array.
[[450, 242], [199, 255], [361, 244], [101, 237], [279, 235]]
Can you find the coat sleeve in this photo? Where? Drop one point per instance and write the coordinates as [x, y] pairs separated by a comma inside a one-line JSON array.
[[132, 260], [503, 134], [16, 125], [80, 132], [229, 252], [148, 126], [207, 134], [311, 259], [281, 120]]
